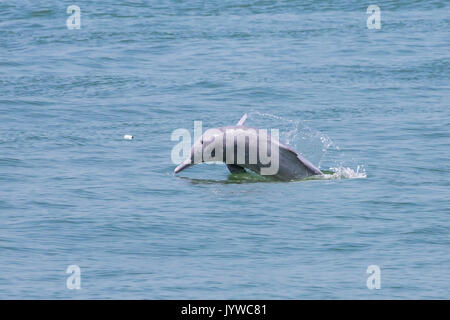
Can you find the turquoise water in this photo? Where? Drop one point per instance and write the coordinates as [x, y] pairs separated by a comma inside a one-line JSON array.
[[371, 107]]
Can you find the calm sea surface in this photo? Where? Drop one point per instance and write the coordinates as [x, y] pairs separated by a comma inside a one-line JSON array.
[[370, 106]]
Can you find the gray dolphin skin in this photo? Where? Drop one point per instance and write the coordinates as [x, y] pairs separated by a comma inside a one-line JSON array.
[[217, 145]]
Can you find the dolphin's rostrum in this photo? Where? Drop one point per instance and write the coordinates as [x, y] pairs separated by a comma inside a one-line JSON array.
[[242, 147]]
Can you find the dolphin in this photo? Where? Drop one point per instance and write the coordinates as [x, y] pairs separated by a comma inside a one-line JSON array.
[[275, 160]]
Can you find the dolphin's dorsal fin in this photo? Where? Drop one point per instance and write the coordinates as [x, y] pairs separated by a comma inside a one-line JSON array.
[[241, 122]]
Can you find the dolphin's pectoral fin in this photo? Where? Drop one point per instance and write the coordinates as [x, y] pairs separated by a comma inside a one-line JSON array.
[[235, 168], [241, 122]]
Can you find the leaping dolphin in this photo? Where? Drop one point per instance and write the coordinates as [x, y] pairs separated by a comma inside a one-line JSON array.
[[250, 148]]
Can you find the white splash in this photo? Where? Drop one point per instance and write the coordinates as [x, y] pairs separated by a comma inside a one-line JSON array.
[[347, 173], [311, 143]]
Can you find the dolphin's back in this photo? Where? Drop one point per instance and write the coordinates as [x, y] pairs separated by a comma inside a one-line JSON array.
[[294, 166], [291, 165]]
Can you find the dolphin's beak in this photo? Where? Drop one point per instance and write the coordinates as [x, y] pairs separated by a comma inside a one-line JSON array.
[[184, 165]]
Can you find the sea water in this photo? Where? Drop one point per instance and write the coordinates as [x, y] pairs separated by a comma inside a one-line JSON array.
[[370, 107]]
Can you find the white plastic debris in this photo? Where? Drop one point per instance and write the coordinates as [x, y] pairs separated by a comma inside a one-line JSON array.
[[128, 137]]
